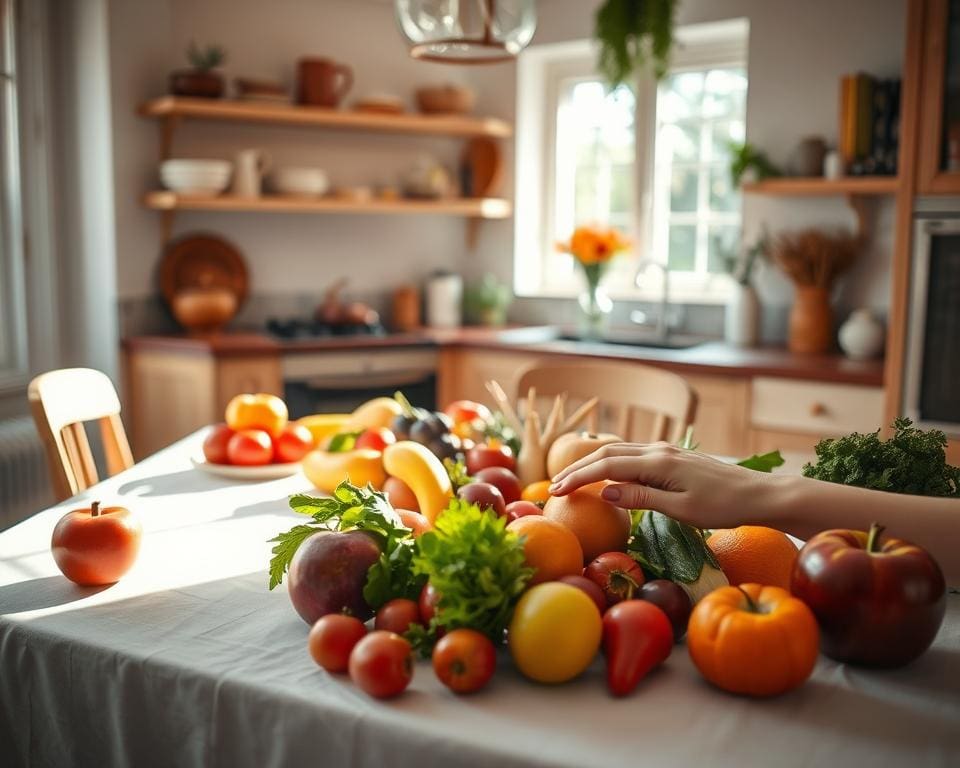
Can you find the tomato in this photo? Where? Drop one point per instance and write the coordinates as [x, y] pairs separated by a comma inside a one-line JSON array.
[[294, 442], [464, 660], [250, 447], [215, 444], [504, 480], [377, 438], [260, 411], [483, 456], [517, 509], [97, 545], [397, 615], [617, 574], [382, 664], [637, 636], [332, 639], [555, 632], [429, 597], [467, 410]]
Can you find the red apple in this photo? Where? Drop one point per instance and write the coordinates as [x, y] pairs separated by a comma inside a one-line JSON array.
[[483, 456], [485, 496], [517, 509], [504, 479], [97, 545]]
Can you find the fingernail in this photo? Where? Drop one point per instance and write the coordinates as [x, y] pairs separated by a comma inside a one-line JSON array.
[[611, 493], [553, 487]]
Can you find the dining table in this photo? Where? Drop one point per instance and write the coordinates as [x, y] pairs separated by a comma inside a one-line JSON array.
[[191, 660]]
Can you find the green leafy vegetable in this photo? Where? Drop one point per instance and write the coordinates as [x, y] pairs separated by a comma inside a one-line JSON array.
[[354, 509], [669, 549], [766, 462], [343, 441], [457, 471], [912, 461], [476, 565]]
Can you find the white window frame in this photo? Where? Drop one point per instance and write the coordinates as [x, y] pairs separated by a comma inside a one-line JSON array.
[[541, 72]]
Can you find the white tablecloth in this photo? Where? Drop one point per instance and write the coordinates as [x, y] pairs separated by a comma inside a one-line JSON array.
[[190, 660]]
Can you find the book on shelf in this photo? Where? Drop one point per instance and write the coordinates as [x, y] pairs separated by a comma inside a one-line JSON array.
[[869, 124]]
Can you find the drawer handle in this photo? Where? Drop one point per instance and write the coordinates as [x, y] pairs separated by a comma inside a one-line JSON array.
[[818, 409]]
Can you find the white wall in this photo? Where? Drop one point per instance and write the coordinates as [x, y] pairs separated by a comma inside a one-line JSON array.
[[797, 53]]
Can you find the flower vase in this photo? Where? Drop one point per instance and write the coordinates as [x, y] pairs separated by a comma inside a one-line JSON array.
[[811, 320], [595, 308], [742, 316]]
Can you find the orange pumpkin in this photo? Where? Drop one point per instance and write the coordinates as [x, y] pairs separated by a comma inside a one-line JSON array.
[[754, 640]]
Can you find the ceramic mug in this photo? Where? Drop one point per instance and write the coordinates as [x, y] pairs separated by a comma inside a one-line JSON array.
[[248, 169], [317, 82]]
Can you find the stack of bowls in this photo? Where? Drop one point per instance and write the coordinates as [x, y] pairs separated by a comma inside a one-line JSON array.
[[299, 180], [196, 177]]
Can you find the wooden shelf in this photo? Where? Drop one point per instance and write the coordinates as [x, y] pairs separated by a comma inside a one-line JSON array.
[[804, 186], [479, 208], [173, 108]]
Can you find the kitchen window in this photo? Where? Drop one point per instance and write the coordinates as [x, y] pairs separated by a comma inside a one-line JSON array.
[[652, 160]]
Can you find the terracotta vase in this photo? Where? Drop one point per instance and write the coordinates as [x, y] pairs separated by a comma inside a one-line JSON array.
[[811, 321]]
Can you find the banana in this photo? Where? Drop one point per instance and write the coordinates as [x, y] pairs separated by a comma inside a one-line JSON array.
[[360, 466], [378, 412], [423, 472], [324, 425]]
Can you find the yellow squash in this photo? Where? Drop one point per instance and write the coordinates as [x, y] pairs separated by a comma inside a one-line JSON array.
[[360, 466], [423, 473]]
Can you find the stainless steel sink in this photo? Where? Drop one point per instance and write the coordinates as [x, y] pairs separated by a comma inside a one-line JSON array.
[[633, 338]]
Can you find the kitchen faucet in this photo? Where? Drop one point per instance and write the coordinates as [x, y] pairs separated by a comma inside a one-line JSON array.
[[663, 319]]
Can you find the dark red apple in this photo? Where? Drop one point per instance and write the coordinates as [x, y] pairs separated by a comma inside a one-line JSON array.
[[328, 573], [592, 590], [483, 456], [672, 600], [504, 479], [485, 496], [517, 509]]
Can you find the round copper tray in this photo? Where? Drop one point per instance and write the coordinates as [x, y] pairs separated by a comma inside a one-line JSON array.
[[203, 261]]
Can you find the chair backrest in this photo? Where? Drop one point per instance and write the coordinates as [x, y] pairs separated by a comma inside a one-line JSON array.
[[637, 402], [61, 401]]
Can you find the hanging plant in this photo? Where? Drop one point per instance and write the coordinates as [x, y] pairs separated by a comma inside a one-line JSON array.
[[631, 34]]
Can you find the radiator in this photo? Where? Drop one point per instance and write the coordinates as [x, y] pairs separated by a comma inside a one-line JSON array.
[[24, 483]]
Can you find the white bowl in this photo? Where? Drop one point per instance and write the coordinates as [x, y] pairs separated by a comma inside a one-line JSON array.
[[299, 180], [196, 177]]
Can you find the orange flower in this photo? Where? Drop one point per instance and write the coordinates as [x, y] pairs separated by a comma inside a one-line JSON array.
[[592, 245]]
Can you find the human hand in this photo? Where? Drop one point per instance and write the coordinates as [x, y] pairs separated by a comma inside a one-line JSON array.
[[683, 484]]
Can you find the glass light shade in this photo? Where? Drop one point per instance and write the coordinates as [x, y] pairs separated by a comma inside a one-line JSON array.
[[466, 31]]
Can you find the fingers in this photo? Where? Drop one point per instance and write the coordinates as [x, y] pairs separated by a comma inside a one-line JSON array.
[[610, 451], [635, 496], [650, 469]]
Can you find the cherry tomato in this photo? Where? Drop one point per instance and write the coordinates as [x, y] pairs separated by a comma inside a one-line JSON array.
[[397, 615], [250, 447], [464, 660], [637, 636], [517, 509], [215, 444], [617, 574], [382, 664], [294, 443], [332, 639], [377, 438], [429, 597]]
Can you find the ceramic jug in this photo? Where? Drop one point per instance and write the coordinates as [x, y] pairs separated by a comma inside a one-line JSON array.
[[249, 168]]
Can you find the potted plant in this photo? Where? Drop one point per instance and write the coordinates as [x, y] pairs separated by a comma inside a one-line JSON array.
[[632, 33], [486, 302], [748, 161], [201, 81]]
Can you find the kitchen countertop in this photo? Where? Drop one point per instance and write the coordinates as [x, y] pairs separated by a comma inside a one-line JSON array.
[[710, 357]]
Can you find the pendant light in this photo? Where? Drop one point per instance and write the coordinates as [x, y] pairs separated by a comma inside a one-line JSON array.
[[466, 31]]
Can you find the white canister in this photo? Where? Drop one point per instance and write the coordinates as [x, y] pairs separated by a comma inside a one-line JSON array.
[[444, 300], [861, 337], [742, 317], [832, 165]]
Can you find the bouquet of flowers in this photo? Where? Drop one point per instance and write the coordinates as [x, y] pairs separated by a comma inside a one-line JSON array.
[[593, 248]]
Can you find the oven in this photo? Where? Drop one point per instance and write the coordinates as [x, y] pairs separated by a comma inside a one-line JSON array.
[[932, 373], [337, 381]]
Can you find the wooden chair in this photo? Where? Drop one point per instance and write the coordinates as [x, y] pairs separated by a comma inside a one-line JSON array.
[[61, 401], [637, 402]]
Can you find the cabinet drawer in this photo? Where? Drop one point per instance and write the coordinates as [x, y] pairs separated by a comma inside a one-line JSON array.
[[822, 409]]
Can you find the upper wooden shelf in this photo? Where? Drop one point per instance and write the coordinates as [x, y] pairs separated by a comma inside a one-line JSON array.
[[481, 208], [811, 186], [291, 114]]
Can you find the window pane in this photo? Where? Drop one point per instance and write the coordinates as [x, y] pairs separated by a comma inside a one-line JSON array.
[[723, 243], [722, 134], [725, 92], [683, 189], [679, 142], [680, 96], [723, 197], [682, 255]]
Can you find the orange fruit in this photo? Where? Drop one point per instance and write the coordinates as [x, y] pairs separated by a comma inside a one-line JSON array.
[[598, 525], [549, 548], [536, 492], [260, 411], [753, 554]]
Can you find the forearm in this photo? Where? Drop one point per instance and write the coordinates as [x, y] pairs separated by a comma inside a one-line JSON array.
[[802, 507]]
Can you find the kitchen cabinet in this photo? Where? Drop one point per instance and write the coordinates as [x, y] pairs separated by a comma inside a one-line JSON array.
[[171, 393], [939, 130]]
